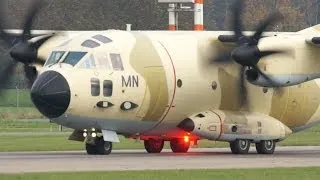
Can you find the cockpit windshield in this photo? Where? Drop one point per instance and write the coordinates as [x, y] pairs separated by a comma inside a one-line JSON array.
[[55, 57], [74, 57]]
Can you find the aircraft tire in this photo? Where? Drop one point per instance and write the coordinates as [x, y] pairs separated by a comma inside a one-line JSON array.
[[103, 147], [266, 147], [91, 149], [154, 145], [179, 146], [240, 146]]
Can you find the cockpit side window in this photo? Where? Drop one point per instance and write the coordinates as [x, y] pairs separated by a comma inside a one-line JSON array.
[[74, 57], [95, 87], [88, 63], [102, 38], [55, 57], [116, 62]]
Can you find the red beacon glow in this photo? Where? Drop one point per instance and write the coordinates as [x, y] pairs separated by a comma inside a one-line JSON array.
[[186, 139]]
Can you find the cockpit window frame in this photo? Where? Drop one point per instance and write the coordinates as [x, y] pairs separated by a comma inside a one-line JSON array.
[[88, 56], [78, 61], [60, 59]]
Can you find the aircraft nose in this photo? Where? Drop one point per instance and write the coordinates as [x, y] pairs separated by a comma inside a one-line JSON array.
[[50, 93]]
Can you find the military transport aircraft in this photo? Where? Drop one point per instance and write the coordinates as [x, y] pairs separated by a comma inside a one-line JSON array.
[[239, 87]]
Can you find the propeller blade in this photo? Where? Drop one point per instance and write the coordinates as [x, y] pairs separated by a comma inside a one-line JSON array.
[[242, 87], [262, 54], [270, 20], [7, 73], [40, 61], [223, 58], [3, 35], [35, 7], [265, 76], [237, 22], [31, 74], [41, 41]]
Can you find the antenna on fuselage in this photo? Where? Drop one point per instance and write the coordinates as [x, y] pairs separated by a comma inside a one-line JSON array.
[[176, 6], [129, 27]]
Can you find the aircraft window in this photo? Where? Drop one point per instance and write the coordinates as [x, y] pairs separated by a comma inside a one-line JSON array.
[[102, 38], [104, 61], [116, 62], [90, 44], [88, 63], [55, 57], [74, 57], [95, 87], [107, 88]]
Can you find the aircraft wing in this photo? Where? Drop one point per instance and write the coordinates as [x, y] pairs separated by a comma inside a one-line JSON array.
[[14, 34]]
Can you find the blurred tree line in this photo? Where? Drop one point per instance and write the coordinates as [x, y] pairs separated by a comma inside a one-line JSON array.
[[150, 15]]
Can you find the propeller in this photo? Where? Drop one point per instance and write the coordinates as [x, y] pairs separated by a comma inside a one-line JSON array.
[[246, 53], [24, 50]]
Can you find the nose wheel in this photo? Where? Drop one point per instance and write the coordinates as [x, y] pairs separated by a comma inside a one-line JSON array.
[[99, 147]]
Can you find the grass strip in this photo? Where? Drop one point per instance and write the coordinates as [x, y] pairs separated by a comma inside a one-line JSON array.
[[309, 173]]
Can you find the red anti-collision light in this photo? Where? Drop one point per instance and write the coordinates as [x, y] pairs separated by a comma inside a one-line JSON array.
[[186, 139]]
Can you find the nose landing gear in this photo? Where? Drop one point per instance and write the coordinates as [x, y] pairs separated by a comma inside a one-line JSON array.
[[99, 147]]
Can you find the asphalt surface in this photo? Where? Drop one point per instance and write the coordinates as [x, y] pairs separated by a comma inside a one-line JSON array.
[[21, 162]]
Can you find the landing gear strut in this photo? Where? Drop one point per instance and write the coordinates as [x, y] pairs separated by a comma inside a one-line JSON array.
[[240, 146], [266, 147], [153, 145], [99, 147], [179, 145]]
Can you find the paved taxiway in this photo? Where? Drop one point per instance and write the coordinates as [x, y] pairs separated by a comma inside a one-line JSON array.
[[139, 160]]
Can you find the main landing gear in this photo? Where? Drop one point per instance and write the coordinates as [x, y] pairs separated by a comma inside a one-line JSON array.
[[242, 146], [266, 147], [178, 145], [153, 145], [98, 146]]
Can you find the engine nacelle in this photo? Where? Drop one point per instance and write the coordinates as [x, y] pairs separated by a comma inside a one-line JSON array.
[[281, 80], [229, 126]]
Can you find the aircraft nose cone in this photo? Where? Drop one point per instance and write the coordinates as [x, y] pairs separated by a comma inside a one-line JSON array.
[[50, 93]]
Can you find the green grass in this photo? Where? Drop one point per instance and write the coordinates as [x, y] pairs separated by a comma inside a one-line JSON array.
[[11, 109], [14, 113], [38, 143], [304, 138], [28, 126], [309, 173], [9, 97]]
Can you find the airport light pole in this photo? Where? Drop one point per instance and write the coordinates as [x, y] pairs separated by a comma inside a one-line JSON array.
[[176, 6]]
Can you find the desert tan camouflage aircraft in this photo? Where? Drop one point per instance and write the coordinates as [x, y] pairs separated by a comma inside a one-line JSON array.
[[158, 86]]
